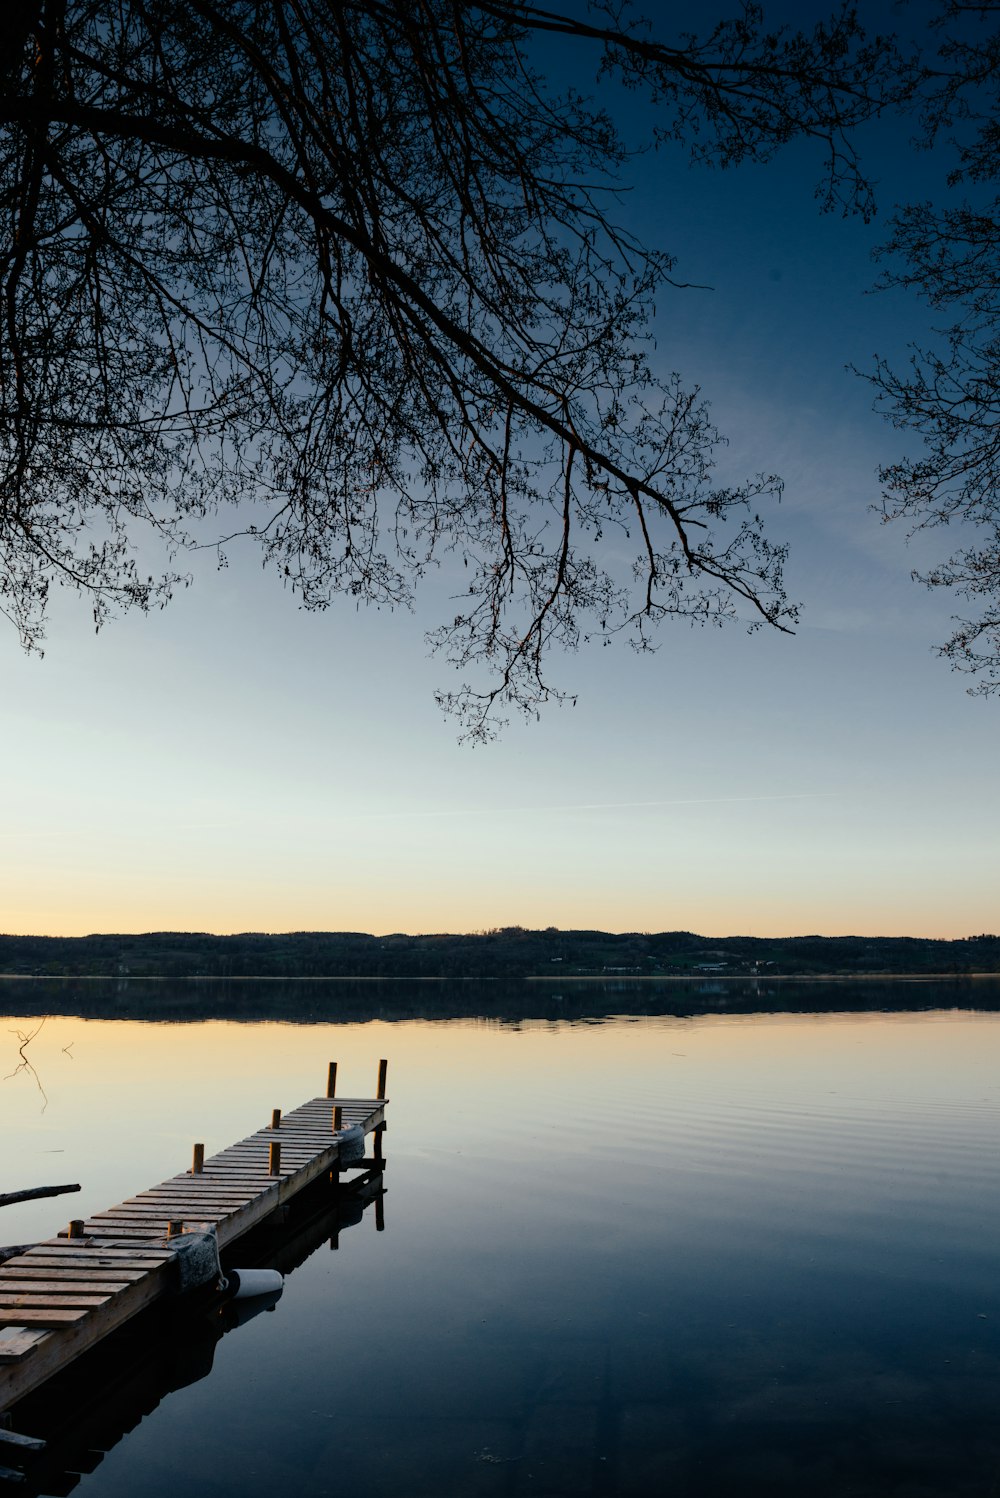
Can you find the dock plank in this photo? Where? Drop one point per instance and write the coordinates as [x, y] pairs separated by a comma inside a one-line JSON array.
[[16, 1343], [102, 1288], [49, 1317], [48, 1301]]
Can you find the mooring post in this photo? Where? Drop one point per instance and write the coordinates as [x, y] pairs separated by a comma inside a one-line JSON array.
[[338, 1119], [274, 1158], [378, 1145], [275, 1118], [331, 1080], [379, 1213], [175, 1227], [75, 1229], [383, 1067], [198, 1160]]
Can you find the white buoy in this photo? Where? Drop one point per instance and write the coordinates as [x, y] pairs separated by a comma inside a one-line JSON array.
[[249, 1283]]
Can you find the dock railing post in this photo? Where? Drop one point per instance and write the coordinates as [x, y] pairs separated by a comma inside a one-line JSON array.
[[331, 1080], [198, 1160], [383, 1068]]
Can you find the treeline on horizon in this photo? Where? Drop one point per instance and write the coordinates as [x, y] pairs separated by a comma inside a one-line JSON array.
[[509, 952]]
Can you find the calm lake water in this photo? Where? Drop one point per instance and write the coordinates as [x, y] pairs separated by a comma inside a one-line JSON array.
[[692, 1253]]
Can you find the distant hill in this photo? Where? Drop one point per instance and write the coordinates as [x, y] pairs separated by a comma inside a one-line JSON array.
[[506, 952]]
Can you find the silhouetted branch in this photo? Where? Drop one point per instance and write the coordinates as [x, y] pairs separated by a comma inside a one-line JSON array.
[[355, 270]]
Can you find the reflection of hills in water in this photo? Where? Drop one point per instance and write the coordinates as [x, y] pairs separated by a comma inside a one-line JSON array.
[[89, 1407], [351, 1001]]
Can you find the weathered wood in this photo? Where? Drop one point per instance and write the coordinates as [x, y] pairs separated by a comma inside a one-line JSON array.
[[103, 1288], [338, 1119], [197, 1159], [8, 1198], [164, 1213], [274, 1158], [17, 1343], [84, 1253], [220, 1194], [69, 1274], [331, 1079], [275, 1118], [47, 1302], [383, 1071], [75, 1229], [52, 1352], [55, 1318]]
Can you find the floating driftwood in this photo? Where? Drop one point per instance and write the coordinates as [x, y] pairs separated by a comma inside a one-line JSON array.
[[8, 1198]]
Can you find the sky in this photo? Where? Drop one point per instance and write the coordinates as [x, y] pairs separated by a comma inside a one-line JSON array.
[[235, 764]]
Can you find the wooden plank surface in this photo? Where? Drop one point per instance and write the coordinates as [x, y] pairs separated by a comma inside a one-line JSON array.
[[70, 1248], [53, 1287], [127, 1267], [27, 1317], [47, 1300], [70, 1275], [17, 1343]]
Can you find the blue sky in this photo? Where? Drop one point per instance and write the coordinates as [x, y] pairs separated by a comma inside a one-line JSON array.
[[236, 764]]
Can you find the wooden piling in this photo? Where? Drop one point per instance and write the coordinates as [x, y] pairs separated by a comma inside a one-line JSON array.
[[198, 1160], [175, 1227], [331, 1080], [275, 1118], [274, 1158], [383, 1068], [338, 1119], [75, 1229]]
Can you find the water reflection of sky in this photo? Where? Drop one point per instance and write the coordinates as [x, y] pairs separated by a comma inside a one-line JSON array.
[[747, 1252]]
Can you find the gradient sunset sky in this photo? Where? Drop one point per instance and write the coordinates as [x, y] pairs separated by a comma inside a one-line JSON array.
[[236, 764]]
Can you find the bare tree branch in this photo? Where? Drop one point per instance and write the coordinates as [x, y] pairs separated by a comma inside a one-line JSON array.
[[352, 271]]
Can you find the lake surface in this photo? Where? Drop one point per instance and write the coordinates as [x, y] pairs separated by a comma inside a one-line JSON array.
[[689, 1253]]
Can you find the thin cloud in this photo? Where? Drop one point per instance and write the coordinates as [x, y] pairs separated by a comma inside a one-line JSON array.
[[508, 811]]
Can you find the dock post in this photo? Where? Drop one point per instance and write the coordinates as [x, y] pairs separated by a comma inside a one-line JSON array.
[[338, 1119], [75, 1229], [274, 1158], [275, 1118], [175, 1227], [380, 1213], [383, 1067], [331, 1080], [379, 1158], [198, 1160]]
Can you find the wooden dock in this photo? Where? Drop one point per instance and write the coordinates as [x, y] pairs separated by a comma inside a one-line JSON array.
[[60, 1298]]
